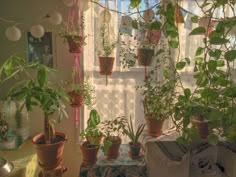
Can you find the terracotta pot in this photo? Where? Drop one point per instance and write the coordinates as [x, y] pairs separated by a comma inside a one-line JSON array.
[[76, 99], [202, 128], [74, 44], [94, 140], [145, 56], [134, 149], [106, 65], [89, 153], [113, 151], [49, 155], [154, 126]]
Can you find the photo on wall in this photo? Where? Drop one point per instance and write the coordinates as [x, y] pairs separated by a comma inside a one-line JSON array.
[[40, 49]]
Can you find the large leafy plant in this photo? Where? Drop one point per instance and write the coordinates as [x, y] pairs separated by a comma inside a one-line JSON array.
[[35, 89], [214, 93]]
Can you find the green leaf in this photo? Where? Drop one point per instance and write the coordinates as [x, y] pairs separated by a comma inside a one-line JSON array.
[[42, 76], [156, 25], [213, 139], [199, 51], [218, 41], [215, 53], [173, 44], [220, 63], [187, 93], [173, 34], [198, 31], [134, 3], [194, 19], [180, 65], [135, 24], [187, 60], [212, 64], [230, 55], [220, 27]]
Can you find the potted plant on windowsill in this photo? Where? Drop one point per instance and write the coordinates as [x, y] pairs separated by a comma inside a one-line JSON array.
[[93, 136], [113, 130], [134, 144], [159, 93], [36, 90]]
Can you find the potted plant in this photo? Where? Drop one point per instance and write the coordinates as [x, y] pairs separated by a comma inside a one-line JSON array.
[[73, 33], [80, 93], [134, 144], [36, 90], [105, 50], [158, 94], [113, 130], [214, 90], [93, 137]]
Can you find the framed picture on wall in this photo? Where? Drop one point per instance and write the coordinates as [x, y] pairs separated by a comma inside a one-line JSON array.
[[40, 49]]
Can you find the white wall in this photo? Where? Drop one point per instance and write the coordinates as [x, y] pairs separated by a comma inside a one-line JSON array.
[[28, 13]]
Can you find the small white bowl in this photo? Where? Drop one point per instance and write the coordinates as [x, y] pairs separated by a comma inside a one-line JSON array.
[[5, 167]]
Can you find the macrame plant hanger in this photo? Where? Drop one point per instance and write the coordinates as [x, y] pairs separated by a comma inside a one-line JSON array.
[[76, 75]]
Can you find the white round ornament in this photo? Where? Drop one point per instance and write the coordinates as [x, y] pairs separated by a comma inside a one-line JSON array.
[[126, 21], [105, 16], [55, 18], [68, 3], [37, 31], [85, 5], [13, 33], [148, 15]]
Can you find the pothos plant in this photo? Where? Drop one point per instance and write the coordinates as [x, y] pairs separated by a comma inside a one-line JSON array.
[[35, 89], [213, 96]]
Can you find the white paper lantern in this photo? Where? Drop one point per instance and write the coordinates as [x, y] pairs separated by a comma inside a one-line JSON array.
[[55, 18], [37, 31], [204, 21], [105, 16], [126, 21], [85, 5], [148, 15], [68, 3], [13, 33]]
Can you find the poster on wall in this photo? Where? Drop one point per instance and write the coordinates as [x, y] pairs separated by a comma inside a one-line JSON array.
[[40, 49]]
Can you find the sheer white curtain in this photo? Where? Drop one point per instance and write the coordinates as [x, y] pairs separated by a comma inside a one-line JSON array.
[[120, 96]]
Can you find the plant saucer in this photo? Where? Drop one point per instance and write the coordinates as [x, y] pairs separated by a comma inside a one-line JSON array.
[[135, 157]]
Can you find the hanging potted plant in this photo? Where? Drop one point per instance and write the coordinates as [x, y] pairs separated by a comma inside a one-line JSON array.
[[105, 50], [113, 130], [36, 90], [93, 136], [73, 30], [80, 93], [134, 144]]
